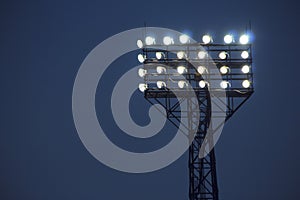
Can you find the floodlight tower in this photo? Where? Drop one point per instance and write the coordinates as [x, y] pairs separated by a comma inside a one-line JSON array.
[[163, 64]]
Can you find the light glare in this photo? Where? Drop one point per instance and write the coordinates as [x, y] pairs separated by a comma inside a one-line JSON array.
[[206, 39], [244, 39], [161, 70], [245, 54], [182, 84], [224, 70], [160, 84], [245, 69], [202, 54], [202, 84], [224, 84], [246, 84], [184, 39], [149, 40], [180, 55], [181, 69], [168, 40], [140, 44], [223, 55], [142, 72], [158, 55], [141, 58], [201, 69], [228, 39], [142, 87]]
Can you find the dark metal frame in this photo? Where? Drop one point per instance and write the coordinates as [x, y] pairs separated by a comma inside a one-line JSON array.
[[202, 171]]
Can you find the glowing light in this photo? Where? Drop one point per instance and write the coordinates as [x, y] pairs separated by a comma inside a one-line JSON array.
[[202, 54], [168, 40], [246, 83], [184, 39], [202, 84], [141, 58], [181, 69], [206, 39], [149, 40], [160, 84], [159, 55], [142, 87], [224, 84], [140, 44], [244, 39], [180, 55], [245, 54], [161, 70], [223, 55], [228, 39], [142, 72], [224, 70], [245, 69], [201, 69], [182, 84]]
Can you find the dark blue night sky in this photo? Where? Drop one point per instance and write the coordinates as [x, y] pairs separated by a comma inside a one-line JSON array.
[[42, 45]]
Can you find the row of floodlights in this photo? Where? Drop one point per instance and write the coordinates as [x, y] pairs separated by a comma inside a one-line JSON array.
[[202, 84], [200, 69], [184, 39], [201, 54]]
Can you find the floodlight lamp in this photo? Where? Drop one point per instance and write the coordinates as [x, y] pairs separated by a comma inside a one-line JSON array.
[[180, 55], [244, 39], [139, 43], [181, 69], [246, 84], [201, 69], [202, 84], [223, 55], [224, 84], [168, 40], [184, 39], [228, 39], [224, 69], [161, 70], [159, 55], [245, 54], [245, 69], [161, 84], [182, 84], [142, 72], [202, 54], [149, 40], [143, 87], [206, 39], [141, 58]]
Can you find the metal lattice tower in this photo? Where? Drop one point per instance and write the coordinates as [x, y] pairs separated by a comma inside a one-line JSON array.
[[233, 62]]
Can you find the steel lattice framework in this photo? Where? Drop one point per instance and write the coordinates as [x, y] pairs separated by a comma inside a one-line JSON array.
[[202, 171]]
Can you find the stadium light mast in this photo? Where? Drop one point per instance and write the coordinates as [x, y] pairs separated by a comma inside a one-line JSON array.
[[162, 68]]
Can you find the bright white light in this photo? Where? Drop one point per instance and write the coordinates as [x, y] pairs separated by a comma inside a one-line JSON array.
[[223, 55], [244, 39], [206, 39], [245, 69], [228, 39], [141, 58], [182, 84], [246, 83], [224, 84], [158, 55], [184, 39], [160, 84], [149, 40], [180, 55], [202, 54], [140, 44], [161, 70], [142, 72], [201, 69], [202, 84], [168, 40], [142, 87], [245, 54], [181, 69], [224, 70]]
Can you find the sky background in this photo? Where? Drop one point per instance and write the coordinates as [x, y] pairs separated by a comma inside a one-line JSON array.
[[42, 45]]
